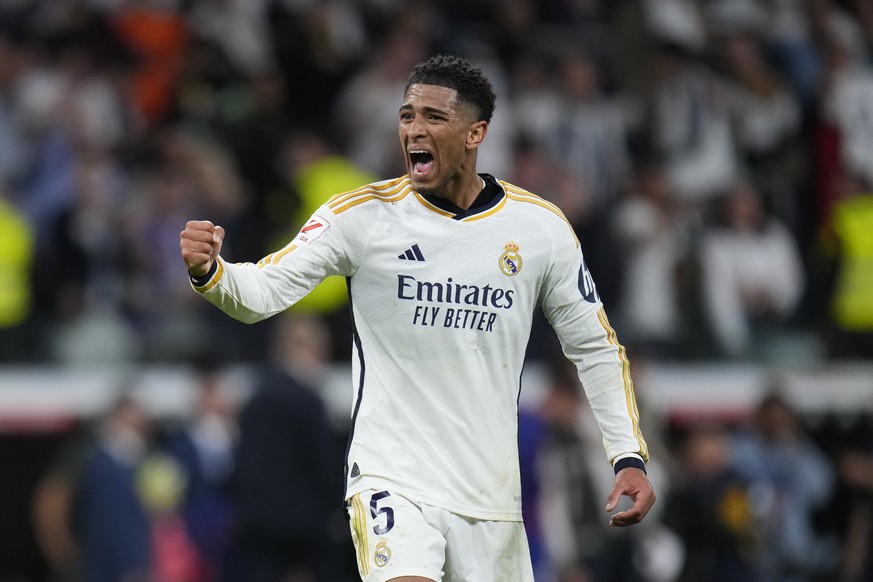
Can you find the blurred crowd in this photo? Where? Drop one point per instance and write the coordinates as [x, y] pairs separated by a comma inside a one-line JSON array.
[[247, 486], [714, 156]]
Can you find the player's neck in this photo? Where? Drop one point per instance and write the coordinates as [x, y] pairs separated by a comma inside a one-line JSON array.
[[464, 192]]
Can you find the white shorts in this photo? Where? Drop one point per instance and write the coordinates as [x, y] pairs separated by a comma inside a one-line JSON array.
[[395, 537]]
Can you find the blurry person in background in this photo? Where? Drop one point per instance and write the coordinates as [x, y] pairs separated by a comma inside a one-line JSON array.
[[689, 125], [655, 233], [204, 448], [365, 111], [843, 122], [587, 137], [17, 247], [287, 487], [766, 115], [855, 468], [710, 508], [161, 483], [315, 170], [572, 482], [845, 272], [752, 275], [791, 479], [88, 517]]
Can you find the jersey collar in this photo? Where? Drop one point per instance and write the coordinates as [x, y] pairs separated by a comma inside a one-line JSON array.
[[490, 196]]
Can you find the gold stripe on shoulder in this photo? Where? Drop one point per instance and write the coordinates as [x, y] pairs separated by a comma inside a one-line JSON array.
[[521, 195], [392, 196], [386, 188]]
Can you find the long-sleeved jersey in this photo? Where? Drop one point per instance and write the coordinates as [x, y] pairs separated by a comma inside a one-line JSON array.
[[442, 301]]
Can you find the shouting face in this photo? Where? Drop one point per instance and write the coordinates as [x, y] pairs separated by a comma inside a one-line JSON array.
[[439, 135]]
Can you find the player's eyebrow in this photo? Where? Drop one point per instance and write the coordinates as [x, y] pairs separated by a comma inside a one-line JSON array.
[[409, 107]]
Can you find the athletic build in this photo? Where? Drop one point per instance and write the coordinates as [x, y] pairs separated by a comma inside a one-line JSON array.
[[445, 267]]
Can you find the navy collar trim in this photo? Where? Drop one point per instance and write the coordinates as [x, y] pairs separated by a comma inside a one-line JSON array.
[[488, 198]]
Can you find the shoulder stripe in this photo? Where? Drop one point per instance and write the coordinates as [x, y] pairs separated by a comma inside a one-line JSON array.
[[386, 188], [391, 196], [521, 195], [629, 395]]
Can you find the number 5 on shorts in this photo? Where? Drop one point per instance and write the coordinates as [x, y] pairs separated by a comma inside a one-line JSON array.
[[376, 511]]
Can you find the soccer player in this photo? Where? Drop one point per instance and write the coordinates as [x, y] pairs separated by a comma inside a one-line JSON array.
[[445, 267]]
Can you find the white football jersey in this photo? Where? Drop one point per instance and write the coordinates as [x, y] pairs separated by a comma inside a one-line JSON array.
[[442, 303]]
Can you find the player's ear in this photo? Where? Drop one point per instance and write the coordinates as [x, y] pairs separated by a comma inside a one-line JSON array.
[[476, 134]]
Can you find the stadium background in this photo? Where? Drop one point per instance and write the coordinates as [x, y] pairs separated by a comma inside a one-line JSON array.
[[642, 119]]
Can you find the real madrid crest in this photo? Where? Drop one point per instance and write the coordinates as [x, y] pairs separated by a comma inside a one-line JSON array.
[[383, 554], [510, 260]]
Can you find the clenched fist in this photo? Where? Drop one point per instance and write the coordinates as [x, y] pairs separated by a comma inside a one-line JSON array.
[[200, 243]]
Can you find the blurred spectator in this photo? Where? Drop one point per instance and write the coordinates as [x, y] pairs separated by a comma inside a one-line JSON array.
[[752, 275], [240, 28], [161, 484], [194, 176], [88, 516], [16, 264], [587, 135], [288, 483], [318, 46], [842, 141], [316, 171], [573, 482], [159, 37], [847, 100], [847, 243], [69, 110], [255, 131], [655, 233], [204, 448], [855, 467], [711, 509], [14, 147], [689, 125], [767, 123], [365, 112], [83, 269], [790, 479]]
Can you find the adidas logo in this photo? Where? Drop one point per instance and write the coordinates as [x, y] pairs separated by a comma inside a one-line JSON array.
[[413, 253]]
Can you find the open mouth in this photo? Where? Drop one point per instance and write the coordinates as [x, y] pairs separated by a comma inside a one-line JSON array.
[[422, 162]]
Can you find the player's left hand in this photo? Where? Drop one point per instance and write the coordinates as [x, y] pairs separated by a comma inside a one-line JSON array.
[[635, 484]]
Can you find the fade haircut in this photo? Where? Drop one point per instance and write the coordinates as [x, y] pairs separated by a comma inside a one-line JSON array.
[[459, 74]]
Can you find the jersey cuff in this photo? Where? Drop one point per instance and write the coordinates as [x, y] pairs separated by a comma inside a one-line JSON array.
[[629, 460], [206, 282]]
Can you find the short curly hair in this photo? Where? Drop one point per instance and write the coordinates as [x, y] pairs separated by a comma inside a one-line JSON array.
[[457, 73]]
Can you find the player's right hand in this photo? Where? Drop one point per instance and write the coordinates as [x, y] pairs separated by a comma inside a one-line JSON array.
[[200, 243]]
